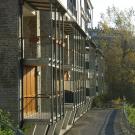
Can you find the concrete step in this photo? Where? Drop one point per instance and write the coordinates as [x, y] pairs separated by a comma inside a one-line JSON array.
[[72, 117], [66, 119], [59, 127], [78, 112], [41, 129], [29, 128], [52, 129], [35, 128], [82, 110]]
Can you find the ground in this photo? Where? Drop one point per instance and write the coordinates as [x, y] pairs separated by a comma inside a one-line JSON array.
[[98, 122]]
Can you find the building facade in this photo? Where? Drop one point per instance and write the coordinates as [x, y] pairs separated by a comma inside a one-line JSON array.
[[47, 62]]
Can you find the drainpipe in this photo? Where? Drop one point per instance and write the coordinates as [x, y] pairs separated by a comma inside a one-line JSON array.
[[21, 59], [68, 49], [51, 41], [56, 53], [38, 67], [63, 64]]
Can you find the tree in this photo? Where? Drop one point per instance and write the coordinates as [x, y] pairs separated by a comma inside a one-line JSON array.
[[117, 32]]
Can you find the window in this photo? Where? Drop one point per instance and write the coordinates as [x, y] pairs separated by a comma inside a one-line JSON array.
[[83, 24], [87, 65], [71, 4], [82, 4], [74, 3]]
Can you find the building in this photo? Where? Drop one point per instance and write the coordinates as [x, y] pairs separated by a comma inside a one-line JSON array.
[[100, 72], [45, 81], [99, 37]]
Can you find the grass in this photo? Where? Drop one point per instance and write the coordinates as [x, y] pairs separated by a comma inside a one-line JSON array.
[[130, 109]]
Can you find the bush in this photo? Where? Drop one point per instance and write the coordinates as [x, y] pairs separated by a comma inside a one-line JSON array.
[[6, 132], [5, 124], [130, 114], [101, 101]]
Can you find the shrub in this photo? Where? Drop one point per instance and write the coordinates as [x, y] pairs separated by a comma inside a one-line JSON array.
[[130, 114], [101, 101], [6, 132], [5, 124]]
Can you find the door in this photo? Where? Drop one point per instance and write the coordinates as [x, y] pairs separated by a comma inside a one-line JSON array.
[[29, 90]]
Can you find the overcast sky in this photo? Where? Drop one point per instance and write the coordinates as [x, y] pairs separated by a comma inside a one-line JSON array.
[[100, 6]]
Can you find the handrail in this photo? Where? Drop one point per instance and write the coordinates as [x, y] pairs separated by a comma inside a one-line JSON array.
[[42, 96]]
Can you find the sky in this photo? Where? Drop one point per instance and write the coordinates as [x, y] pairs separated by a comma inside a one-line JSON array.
[[100, 6]]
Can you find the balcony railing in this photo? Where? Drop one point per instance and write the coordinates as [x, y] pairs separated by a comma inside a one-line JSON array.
[[72, 8], [40, 107], [31, 107]]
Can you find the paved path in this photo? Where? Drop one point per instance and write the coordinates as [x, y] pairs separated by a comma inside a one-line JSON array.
[[98, 122]]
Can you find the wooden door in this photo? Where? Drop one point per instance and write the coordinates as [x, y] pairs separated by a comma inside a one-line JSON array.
[[29, 90]]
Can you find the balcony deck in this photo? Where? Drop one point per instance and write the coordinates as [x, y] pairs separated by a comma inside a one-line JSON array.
[[38, 116]]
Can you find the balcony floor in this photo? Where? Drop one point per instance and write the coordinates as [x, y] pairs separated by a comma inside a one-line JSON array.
[[38, 116]]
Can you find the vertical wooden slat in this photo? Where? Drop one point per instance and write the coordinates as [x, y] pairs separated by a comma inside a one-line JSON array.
[[29, 79]]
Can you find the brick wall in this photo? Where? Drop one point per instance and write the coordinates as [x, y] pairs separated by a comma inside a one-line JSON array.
[[9, 57]]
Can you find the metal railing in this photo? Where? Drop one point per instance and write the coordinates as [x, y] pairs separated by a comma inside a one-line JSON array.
[[39, 107]]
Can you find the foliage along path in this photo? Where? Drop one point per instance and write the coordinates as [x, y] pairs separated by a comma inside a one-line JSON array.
[[98, 122]]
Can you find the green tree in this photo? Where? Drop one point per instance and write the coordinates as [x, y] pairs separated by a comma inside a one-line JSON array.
[[117, 42]]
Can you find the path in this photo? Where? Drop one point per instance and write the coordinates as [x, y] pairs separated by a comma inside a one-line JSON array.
[[98, 122]]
